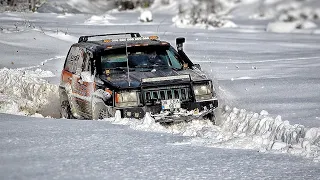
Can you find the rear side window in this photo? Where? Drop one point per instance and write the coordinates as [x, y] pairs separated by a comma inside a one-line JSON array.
[[72, 60], [86, 64]]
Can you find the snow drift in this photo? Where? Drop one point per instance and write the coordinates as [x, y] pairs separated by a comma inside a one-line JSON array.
[[289, 16], [24, 92], [294, 19], [290, 27], [145, 16], [99, 20]]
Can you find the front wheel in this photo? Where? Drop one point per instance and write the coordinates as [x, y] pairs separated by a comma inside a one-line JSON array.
[[65, 110], [211, 117], [100, 111]]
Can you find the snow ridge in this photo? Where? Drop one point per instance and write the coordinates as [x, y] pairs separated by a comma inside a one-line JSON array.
[[24, 92], [273, 133], [239, 129]]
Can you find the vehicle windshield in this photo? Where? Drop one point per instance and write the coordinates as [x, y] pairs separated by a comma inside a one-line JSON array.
[[141, 58]]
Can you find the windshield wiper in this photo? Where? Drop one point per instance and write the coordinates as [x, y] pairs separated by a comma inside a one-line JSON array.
[[176, 69], [143, 66], [121, 68], [153, 66]]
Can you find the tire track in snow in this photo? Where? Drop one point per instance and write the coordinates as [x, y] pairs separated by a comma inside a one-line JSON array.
[[41, 63]]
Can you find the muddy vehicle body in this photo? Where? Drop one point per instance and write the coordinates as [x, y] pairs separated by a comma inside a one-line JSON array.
[[134, 76]]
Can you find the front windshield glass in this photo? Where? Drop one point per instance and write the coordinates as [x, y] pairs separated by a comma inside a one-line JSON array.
[[141, 58]]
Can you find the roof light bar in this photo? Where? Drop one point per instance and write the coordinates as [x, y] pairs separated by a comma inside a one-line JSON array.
[[153, 37], [85, 38], [131, 39], [107, 40]]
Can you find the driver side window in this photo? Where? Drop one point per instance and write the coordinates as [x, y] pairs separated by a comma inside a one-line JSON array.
[[174, 60]]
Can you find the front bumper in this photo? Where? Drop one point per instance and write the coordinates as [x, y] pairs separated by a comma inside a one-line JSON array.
[[188, 111]]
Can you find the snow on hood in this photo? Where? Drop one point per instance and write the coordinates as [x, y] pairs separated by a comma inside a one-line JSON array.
[[121, 80]]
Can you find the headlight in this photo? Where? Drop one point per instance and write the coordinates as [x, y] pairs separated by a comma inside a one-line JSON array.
[[124, 99], [203, 92]]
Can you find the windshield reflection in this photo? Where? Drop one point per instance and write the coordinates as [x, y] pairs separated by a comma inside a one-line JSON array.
[[141, 59]]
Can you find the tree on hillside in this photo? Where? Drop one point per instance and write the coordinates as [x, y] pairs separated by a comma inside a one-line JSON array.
[[29, 4]]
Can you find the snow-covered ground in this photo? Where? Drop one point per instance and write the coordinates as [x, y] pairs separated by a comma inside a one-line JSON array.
[[254, 70], [36, 148]]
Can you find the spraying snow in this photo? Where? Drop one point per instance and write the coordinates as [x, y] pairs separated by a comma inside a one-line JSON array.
[[239, 129]]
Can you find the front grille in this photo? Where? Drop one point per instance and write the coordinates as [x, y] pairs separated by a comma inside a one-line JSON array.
[[155, 95]]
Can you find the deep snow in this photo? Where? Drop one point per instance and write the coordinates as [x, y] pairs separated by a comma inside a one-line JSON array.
[[36, 148], [252, 69]]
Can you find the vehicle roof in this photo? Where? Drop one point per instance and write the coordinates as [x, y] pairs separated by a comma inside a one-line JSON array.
[[101, 44]]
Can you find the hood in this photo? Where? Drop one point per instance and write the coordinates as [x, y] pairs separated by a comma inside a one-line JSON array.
[[121, 80]]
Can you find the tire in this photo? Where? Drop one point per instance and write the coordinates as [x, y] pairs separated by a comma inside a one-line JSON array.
[[100, 111], [103, 114], [65, 110], [211, 117]]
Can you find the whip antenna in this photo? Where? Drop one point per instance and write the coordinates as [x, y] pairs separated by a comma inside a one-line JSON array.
[[128, 69]]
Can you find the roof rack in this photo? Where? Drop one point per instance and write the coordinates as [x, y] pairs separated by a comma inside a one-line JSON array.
[[85, 38]]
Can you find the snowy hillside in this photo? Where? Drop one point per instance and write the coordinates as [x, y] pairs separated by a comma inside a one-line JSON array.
[[286, 16], [268, 122], [77, 6]]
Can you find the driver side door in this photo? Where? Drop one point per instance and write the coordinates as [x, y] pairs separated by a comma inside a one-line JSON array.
[[83, 84]]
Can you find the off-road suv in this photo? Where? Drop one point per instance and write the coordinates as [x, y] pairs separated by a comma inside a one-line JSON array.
[[133, 76]]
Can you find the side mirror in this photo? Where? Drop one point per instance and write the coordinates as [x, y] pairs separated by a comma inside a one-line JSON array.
[[179, 43], [197, 66], [185, 65]]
